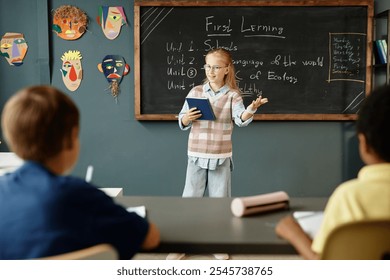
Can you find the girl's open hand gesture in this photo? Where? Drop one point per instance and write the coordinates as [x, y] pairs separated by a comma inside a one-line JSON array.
[[257, 103], [251, 109]]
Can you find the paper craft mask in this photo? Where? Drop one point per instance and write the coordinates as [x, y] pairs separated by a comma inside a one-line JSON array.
[[72, 70], [69, 22], [111, 20], [13, 48], [114, 68]]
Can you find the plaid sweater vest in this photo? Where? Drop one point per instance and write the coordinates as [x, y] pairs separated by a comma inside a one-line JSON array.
[[212, 139]]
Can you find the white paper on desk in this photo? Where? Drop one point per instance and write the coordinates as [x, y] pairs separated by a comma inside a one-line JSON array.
[[139, 210], [310, 221]]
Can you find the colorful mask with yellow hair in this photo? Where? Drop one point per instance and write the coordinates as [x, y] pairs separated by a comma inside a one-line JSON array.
[[72, 70]]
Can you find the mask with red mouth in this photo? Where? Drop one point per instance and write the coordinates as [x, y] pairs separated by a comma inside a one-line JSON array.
[[114, 68], [72, 70]]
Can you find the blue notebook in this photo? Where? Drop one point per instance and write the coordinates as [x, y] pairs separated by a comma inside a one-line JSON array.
[[202, 104]]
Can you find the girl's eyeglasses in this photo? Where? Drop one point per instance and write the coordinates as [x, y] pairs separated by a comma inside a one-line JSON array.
[[215, 68]]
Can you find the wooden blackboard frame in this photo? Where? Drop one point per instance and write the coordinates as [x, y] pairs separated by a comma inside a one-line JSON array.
[[287, 3]]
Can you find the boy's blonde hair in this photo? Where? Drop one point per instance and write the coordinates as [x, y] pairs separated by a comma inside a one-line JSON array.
[[38, 122], [230, 78]]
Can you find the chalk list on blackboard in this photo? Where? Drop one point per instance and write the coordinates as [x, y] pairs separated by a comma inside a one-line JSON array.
[[306, 60], [346, 57]]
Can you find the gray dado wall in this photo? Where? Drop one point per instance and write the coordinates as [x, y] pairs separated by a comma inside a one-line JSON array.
[[149, 158]]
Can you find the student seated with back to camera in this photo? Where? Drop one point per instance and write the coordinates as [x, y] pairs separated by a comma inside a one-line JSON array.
[[365, 198], [44, 212]]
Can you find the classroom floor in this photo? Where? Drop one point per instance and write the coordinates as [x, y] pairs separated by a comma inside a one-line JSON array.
[[146, 256]]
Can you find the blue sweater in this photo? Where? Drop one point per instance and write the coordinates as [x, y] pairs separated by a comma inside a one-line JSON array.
[[42, 214]]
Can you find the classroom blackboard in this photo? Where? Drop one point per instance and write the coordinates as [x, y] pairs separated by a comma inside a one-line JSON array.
[[312, 61]]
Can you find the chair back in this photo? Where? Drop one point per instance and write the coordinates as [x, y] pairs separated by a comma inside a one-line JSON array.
[[97, 252], [363, 240]]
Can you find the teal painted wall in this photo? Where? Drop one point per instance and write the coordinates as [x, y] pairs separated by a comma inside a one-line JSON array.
[[149, 158]]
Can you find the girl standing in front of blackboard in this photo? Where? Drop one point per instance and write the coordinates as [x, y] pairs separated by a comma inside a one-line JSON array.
[[209, 144]]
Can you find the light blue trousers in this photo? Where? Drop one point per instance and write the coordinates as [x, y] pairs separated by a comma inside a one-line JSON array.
[[217, 182]]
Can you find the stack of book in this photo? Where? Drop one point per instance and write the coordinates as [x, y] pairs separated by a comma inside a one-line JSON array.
[[381, 51]]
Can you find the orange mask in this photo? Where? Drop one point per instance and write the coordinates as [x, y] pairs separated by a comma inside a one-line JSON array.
[[69, 22]]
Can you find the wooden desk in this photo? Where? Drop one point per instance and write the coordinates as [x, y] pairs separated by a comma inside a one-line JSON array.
[[207, 225]]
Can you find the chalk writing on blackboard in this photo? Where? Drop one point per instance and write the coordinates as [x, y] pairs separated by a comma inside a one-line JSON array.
[[346, 56], [306, 60]]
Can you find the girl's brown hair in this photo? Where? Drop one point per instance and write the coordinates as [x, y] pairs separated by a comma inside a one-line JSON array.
[[38, 122], [230, 78]]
